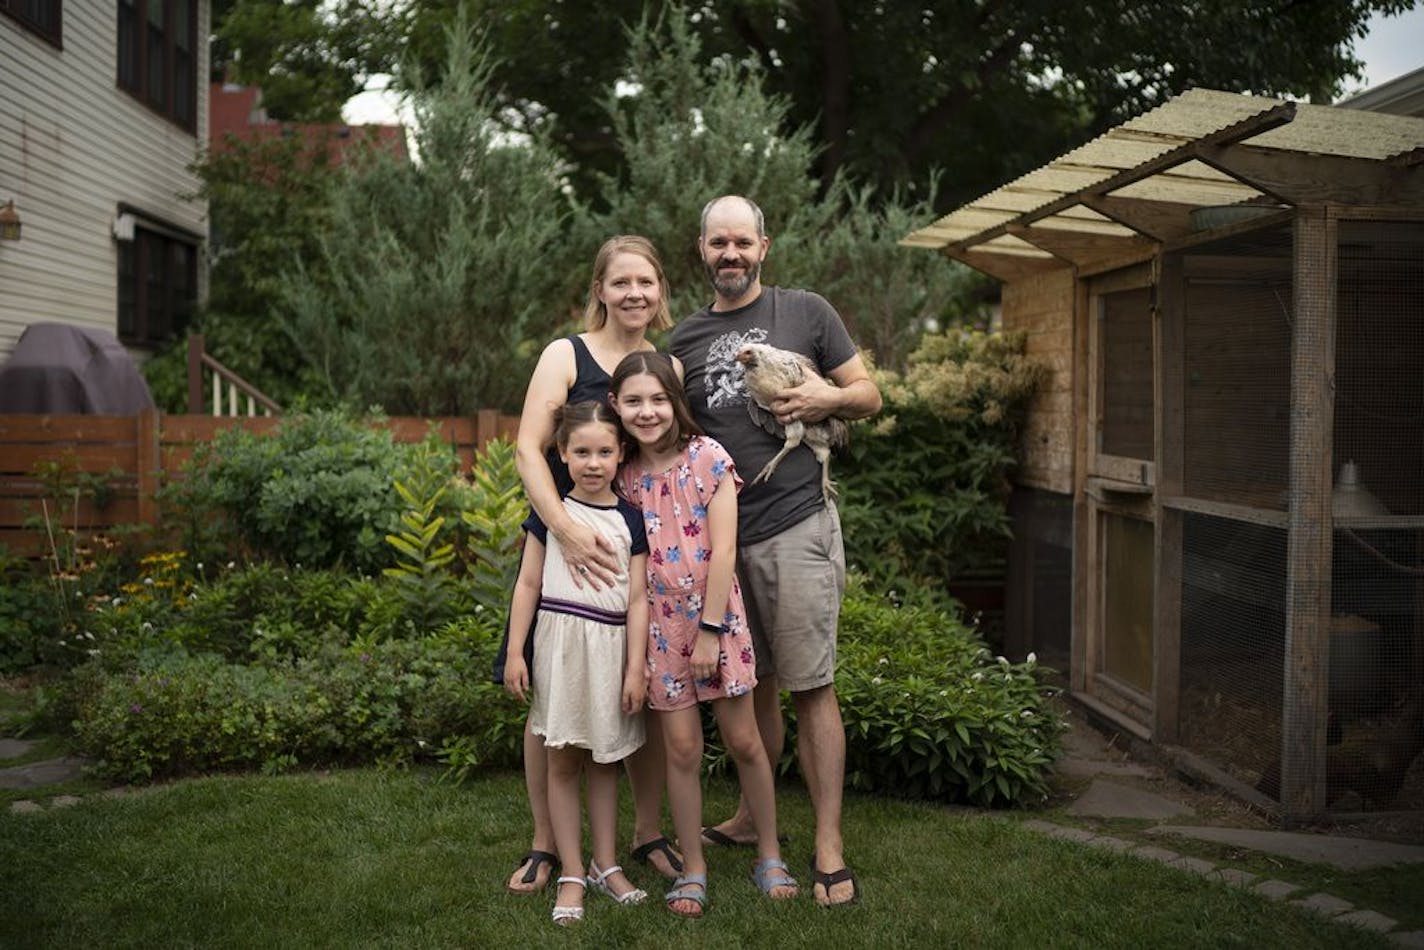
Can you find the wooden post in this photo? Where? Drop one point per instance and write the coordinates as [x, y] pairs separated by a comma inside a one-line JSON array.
[[195, 374], [1310, 531], [1170, 339], [1081, 657], [486, 427], [148, 465]]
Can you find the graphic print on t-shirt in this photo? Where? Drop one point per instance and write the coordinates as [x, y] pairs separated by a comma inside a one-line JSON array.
[[725, 378]]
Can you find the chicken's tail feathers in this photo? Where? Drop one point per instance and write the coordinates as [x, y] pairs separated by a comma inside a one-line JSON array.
[[838, 432]]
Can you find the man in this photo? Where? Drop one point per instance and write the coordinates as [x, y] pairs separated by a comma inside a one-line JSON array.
[[790, 558]]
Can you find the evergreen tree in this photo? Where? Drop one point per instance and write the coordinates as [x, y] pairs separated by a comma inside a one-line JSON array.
[[690, 130], [438, 280]]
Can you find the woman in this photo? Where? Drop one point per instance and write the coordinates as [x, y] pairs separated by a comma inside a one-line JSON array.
[[626, 298]]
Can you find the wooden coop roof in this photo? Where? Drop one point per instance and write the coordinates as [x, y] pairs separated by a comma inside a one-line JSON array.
[[1203, 159]]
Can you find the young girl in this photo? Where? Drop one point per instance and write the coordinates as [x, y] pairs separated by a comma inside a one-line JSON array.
[[589, 656], [699, 647]]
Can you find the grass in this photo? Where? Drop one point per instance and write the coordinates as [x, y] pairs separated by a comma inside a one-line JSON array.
[[369, 859], [1392, 891]]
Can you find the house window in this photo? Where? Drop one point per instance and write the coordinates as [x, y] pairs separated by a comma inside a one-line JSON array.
[[41, 17], [157, 58], [157, 287]]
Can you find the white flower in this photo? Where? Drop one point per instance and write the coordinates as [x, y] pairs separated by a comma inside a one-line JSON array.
[[1003, 661], [231, 565], [117, 601], [977, 677], [200, 565], [148, 581], [876, 681], [1032, 659], [884, 661], [1027, 714]]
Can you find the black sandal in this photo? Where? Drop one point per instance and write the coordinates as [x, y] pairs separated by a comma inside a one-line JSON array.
[[827, 880], [534, 858], [644, 852]]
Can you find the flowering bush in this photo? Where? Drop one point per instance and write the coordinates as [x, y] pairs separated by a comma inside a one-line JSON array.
[[930, 713], [925, 483]]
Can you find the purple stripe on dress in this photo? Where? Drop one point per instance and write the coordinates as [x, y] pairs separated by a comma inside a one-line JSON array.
[[575, 609]]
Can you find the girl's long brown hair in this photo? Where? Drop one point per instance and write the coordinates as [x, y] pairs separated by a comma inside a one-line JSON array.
[[659, 366]]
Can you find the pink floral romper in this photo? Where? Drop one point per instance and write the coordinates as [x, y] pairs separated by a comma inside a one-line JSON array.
[[674, 505]]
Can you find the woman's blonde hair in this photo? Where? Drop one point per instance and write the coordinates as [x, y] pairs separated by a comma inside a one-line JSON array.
[[595, 314]]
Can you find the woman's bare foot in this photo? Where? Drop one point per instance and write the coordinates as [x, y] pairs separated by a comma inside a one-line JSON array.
[[533, 873], [659, 854]]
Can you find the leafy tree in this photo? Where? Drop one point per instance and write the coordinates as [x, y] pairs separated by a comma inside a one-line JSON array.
[[309, 56], [984, 90], [436, 281]]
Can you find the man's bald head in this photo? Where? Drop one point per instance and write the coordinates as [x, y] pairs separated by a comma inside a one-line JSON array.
[[748, 203]]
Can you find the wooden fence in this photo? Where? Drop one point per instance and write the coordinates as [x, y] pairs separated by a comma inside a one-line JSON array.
[[131, 456]]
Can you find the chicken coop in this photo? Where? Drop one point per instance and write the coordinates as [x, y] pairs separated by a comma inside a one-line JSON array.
[[1219, 516]]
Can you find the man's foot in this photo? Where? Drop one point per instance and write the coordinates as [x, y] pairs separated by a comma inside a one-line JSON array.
[[834, 888], [658, 854], [533, 873]]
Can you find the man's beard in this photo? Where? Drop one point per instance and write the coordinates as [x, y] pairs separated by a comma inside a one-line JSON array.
[[734, 285]]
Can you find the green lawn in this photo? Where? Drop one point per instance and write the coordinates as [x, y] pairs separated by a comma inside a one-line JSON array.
[[366, 859]]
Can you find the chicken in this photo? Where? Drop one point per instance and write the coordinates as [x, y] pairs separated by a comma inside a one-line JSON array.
[[770, 370]]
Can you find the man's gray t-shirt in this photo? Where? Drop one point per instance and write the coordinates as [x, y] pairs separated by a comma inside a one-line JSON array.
[[707, 343]]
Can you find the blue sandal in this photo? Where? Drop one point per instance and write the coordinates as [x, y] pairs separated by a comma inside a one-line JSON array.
[[680, 893], [761, 874]]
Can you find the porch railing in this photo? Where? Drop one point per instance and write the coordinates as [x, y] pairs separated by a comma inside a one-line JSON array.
[[230, 393]]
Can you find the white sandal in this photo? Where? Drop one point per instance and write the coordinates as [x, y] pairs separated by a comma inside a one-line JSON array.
[[564, 915], [599, 879]]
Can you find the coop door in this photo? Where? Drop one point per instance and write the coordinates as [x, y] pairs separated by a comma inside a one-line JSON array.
[[1120, 486]]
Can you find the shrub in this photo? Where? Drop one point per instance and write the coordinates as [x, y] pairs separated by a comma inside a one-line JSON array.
[[925, 484], [929, 713], [392, 701], [496, 508], [319, 492]]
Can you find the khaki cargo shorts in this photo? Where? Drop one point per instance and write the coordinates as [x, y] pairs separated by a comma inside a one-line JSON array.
[[793, 584]]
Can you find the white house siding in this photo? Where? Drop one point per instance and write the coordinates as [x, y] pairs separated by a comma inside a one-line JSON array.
[[73, 147]]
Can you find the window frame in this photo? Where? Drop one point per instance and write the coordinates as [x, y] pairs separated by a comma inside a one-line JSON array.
[[136, 285], [14, 9], [142, 47]]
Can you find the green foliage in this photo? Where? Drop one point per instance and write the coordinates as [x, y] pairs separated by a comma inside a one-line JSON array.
[[438, 280], [697, 129], [190, 713], [694, 130], [924, 485], [496, 510], [930, 713], [893, 91], [319, 491], [422, 556], [267, 200], [29, 622], [309, 57]]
